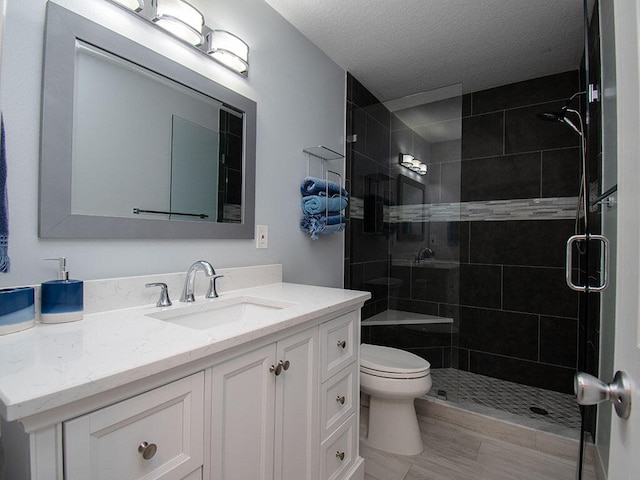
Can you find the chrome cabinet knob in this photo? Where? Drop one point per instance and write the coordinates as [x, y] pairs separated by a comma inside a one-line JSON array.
[[342, 344], [340, 399], [282, 365], [340, 455], [148, 450]]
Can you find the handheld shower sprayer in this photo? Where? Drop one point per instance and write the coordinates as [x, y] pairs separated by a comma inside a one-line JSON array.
[[561, 116]]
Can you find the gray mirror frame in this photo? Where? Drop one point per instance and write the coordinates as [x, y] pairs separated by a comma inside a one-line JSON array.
[[63, 27]]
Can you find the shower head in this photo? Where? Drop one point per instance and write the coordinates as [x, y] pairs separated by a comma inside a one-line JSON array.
[[561, 116], [552, 116]]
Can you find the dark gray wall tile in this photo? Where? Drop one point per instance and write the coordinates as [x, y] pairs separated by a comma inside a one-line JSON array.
[[551, 377], [501, 178], [503, 333], [482, 136], [561, 172], [450, 182], [525, 242], [559, 341], [369, 247], [377, 142], [539, 290], [525, 132], [560, 86], [480, 285]]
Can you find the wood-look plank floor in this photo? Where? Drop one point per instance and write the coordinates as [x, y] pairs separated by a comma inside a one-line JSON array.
[[455, 453]]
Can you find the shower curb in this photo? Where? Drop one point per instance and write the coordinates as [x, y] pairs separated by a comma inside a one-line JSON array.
[[508, 431]]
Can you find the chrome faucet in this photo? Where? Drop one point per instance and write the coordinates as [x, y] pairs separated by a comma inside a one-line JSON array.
[[190, 281], [424, 252]]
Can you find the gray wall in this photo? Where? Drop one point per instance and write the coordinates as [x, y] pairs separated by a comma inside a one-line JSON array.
[[300, 94]]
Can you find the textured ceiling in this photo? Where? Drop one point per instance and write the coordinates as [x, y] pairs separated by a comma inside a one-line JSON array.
[[402, 47]]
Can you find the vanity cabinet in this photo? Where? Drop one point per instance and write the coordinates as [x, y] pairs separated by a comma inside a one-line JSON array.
[[263, 412], [283, 406], [157, 434]]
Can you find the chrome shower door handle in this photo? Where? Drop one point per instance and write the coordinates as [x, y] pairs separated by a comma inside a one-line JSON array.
[[590, 390], [605, 263]]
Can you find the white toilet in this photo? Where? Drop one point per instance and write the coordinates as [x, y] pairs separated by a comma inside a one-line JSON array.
[[394, 379]]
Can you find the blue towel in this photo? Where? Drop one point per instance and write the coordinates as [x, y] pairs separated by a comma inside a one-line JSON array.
[[320, 224], [318, 186], [5, 264], [314, 204]]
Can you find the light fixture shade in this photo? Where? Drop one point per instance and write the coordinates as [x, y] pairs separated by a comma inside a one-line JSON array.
[[179, 18], [229, 50], [423, 169], [416, 165], [406, 160], [134, 5]]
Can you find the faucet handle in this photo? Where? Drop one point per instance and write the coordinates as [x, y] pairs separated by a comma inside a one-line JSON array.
[[212, 293], [164, 300]]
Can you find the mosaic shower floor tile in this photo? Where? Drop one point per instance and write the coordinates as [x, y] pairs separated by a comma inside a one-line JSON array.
[[528, 403]]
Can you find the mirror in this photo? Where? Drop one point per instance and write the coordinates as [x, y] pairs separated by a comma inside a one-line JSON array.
[[135, 145], [411, 195]]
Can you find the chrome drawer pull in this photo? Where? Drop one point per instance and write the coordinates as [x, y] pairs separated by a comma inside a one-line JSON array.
[[340, 399], [285, 364], [342, 343], [340, 455], [148, 450]]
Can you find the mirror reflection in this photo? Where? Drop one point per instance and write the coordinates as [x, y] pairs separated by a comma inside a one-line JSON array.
[[154, 138]]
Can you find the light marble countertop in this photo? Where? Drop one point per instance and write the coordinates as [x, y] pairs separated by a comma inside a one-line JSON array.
[[52, 365]]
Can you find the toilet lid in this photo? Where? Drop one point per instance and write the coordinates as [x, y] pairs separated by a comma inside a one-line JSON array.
[[377, 358]]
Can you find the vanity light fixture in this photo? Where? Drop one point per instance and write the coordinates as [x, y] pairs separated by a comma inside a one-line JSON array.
[[185, 22], [180, 19], [135, 5], [229, 50], [409, 161], [406, 160]]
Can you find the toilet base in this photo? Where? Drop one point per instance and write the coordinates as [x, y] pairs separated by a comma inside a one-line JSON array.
[[393, 426]]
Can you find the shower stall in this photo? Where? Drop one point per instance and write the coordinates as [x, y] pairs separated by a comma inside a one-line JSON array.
[[466, 261]]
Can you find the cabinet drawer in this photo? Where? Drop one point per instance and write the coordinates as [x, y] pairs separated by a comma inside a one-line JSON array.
[[338, 451], [338, 346], [108, 443], [338, 399]]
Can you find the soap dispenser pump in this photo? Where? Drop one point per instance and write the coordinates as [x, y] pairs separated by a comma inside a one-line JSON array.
[[62, 300]]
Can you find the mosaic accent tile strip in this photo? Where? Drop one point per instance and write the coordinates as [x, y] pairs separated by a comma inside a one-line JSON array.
[[558, 208], [466, 387]]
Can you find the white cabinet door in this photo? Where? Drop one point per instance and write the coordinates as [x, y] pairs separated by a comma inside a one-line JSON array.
[[265, 416], [296, 417], [110, 443], [242, 421]]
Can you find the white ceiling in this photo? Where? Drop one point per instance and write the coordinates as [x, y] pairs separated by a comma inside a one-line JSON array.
[[402, 47]]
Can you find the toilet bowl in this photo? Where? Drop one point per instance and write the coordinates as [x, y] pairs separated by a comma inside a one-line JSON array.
[[394, 379]]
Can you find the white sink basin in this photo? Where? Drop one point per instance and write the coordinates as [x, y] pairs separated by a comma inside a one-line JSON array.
[[214, 313]]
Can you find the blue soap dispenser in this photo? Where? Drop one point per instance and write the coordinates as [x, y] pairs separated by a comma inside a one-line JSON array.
[[62, 300]]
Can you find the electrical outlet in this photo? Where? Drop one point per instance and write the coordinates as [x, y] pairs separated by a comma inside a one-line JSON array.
[[262, 236]]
